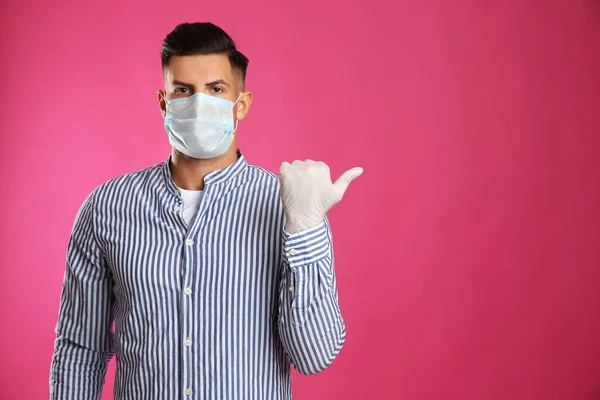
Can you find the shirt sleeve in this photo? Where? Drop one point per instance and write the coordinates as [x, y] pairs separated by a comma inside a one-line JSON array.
[[310, 323], [84, 341]]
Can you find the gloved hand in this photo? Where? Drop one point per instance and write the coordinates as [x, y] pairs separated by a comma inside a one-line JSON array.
[[307, 192]]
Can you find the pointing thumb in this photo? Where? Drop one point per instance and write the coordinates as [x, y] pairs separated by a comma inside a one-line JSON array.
[[347, 177]]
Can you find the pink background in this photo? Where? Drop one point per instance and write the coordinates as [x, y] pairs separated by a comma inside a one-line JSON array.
[[468, 253]]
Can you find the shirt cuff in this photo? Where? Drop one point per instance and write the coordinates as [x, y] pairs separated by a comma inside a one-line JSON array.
[[306, 247]]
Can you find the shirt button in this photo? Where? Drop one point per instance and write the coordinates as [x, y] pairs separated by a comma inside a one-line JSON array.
[[176, 208], [293, 252], [176, 192], [189, 242], [291, 288], [188, 392], [188, 342], [188, 290]]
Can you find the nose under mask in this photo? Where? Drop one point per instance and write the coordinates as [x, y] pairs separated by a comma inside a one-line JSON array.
[[201, 126]]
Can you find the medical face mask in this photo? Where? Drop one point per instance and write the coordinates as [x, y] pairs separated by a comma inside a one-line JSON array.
[[200, 126]]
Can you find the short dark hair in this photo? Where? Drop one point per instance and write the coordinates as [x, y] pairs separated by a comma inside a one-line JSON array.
[[202, 38]]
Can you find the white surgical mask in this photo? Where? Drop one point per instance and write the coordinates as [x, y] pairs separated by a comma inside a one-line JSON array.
[[201, 126]]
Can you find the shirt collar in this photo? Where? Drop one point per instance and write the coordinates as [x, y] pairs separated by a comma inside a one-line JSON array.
[[212, 178]]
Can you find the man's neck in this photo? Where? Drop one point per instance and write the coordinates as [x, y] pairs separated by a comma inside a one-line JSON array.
[[188, 173]]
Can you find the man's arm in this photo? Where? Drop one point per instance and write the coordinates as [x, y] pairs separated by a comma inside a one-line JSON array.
[[310, 323], [83, 344]]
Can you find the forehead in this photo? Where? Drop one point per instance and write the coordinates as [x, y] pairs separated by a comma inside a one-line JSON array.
[[199, 69]]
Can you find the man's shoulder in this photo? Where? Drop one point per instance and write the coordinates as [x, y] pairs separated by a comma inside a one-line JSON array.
[[262, 176], [127, 181]]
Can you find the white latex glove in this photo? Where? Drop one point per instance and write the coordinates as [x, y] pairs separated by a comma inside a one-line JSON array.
[[307, 192]]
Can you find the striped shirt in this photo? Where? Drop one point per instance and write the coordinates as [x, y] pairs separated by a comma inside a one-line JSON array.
[[216, 310]]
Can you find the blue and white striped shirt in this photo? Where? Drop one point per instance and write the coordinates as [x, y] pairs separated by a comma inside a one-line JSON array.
[[216, 310]]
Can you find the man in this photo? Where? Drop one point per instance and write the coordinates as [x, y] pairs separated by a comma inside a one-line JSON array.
[[217, 273]]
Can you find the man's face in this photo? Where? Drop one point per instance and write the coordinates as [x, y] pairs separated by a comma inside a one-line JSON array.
[[209, 74]]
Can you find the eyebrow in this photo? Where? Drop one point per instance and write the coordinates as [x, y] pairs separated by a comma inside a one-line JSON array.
[[184, 84], [217, 82], [192, 87]]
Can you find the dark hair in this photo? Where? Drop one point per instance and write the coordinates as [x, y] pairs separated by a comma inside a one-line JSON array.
[[202, 38]]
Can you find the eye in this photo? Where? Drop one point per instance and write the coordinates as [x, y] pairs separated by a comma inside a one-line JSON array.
[[182, 90], [217, 89]]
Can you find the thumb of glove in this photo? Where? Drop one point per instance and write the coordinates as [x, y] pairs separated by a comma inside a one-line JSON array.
[[341, 185]]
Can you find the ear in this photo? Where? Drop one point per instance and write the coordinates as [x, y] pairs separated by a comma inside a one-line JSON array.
[[243, 105], [162, 102]]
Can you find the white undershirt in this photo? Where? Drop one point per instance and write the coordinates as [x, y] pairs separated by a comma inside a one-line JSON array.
[[191, 202]]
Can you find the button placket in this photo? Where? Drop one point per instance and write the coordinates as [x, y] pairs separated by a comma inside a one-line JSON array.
[[188, 320], [187, 282]]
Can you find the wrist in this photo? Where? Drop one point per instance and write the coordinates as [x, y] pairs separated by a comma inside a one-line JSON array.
[[293, 226]]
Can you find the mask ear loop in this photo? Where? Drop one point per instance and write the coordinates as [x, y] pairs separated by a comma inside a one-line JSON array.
[[236, 120]]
